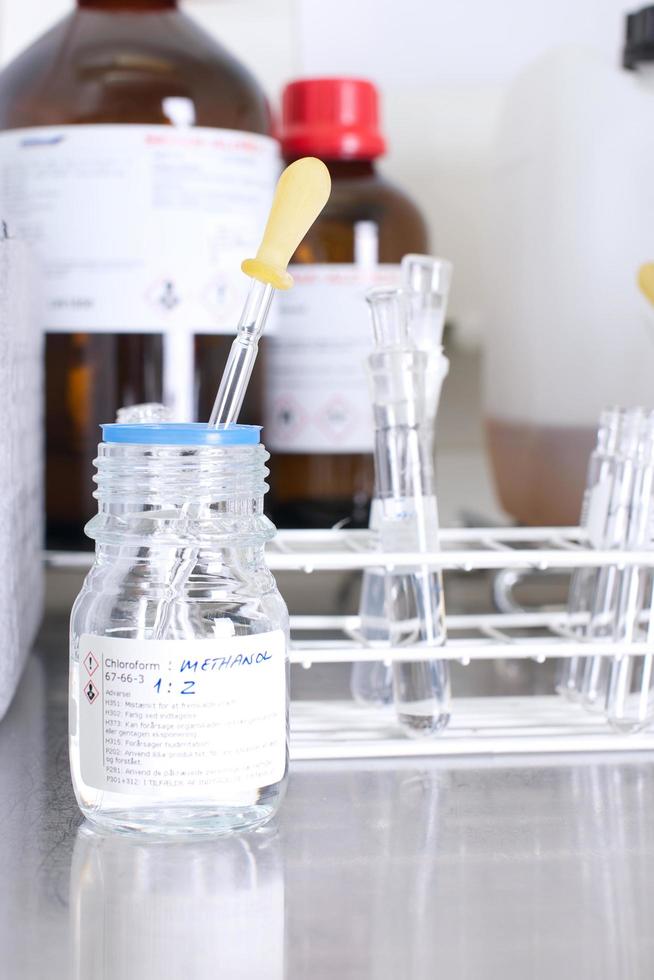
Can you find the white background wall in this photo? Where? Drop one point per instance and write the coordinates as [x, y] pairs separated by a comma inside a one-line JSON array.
[[443, 66]]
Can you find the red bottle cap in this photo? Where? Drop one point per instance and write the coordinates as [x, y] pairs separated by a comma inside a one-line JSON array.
[[333, 118]]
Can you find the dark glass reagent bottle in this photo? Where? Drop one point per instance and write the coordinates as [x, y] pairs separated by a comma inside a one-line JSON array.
[[115, 62], [319, 488]]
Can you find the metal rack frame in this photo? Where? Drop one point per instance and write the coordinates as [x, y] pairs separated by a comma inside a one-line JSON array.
[[479, 726], [343, 729], [484, 726], [463, 550]]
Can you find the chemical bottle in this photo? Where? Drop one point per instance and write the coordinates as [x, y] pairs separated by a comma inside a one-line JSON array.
[[136, 158], [569, 332], [318, 419], [206, 751]]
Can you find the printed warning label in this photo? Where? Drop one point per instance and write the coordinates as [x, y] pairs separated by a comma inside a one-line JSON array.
[[175, 715]]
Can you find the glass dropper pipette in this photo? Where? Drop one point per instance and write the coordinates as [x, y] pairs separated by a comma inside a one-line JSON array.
[[301, 193], [242, 355]]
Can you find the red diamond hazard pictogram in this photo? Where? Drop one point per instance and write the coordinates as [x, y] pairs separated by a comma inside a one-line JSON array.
[[335, 416], [90, 663], [288, 416], [91, 692]]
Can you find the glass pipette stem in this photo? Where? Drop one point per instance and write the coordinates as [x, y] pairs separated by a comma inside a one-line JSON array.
[[226, 410], [242, 355]]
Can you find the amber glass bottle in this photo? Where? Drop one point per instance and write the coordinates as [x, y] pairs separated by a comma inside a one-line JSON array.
[[129, 134], [318, 422]]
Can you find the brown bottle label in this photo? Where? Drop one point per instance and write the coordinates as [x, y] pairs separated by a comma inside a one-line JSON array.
[[141, 229], [317, 393]]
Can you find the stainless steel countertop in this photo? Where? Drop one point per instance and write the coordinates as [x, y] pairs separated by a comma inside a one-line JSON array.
[[504, 868]]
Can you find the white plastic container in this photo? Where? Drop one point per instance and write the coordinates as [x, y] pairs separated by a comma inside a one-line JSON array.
[[573, 219], [21, 464]]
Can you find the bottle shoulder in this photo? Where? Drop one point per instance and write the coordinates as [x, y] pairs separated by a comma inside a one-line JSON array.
[[108, 68], [401, 227], [119, 600]]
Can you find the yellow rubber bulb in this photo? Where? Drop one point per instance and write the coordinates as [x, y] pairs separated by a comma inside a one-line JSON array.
[[301, 193], [646, 281]]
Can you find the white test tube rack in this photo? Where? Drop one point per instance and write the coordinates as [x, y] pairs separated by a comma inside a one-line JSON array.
[[327, 729]]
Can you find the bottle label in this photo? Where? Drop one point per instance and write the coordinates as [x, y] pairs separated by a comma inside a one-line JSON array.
[[317, 394], [182, 716], [139, 228]]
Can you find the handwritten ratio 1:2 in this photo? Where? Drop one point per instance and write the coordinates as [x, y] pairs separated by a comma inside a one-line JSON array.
[[187, 688]]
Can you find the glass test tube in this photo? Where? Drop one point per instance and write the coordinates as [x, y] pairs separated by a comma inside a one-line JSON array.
[[594, 513], [427, 280], [630, 697], [601, 624], [408, 521]]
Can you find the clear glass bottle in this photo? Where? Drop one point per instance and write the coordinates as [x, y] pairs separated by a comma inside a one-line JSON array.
[[179, 667]]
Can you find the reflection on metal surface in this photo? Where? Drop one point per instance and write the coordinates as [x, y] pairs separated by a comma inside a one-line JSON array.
[[32, 852], [494, 868], [406, 892], [198, 910], [482, 872]]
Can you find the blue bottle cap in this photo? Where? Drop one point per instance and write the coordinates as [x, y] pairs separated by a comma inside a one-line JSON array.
[[180, 434]]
